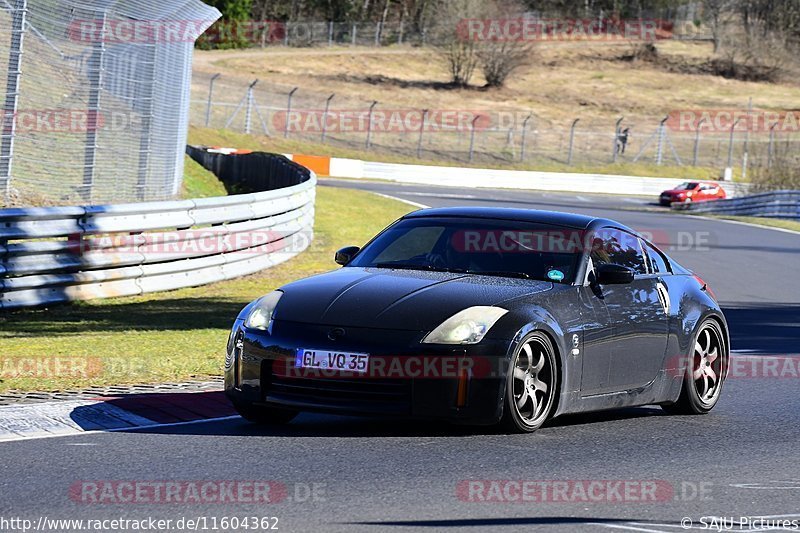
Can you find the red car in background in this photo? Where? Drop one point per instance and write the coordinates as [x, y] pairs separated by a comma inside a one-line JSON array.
[[693, 191]]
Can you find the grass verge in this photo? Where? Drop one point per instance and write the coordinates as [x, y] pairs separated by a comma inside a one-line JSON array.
[[168, 336], [199, 182]]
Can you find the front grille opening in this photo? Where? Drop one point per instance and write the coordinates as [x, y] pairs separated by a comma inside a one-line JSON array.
[[280, 381]]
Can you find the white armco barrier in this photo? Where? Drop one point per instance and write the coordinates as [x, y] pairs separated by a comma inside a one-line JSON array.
[[56, 254], [510, 179]]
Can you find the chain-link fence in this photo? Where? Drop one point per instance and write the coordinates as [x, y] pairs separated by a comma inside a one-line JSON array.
[[95, 98], [498, 136]]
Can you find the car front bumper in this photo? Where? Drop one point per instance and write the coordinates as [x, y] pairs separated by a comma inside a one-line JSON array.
[[667, 199], [461, 383]]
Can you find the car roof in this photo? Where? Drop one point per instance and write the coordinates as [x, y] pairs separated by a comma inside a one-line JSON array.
[[556, 218]]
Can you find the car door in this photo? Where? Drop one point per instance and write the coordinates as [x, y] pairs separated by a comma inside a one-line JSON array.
[[636, 311], [703, 192], [596, 343]]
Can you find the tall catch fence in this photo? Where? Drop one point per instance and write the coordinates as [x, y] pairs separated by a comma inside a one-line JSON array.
[[695, 137], [95, 98]]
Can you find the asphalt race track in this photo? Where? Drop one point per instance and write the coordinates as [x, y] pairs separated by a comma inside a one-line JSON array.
[[352, 474]]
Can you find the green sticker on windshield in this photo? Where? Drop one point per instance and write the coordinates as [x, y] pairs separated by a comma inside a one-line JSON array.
[[555, 275]]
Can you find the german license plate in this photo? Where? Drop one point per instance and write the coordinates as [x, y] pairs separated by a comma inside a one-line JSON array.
[[328, 360]]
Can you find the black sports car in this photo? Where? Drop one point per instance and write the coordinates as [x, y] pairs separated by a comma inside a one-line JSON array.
[[483, 316]]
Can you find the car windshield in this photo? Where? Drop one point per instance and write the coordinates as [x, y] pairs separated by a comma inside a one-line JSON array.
[[687, 186], [477, 246]]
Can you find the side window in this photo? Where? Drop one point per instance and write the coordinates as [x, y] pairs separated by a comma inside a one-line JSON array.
[[658, 265], [614, 246]]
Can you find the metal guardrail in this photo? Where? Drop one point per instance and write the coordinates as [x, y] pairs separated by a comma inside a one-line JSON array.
[[58, 254], [775, 204]]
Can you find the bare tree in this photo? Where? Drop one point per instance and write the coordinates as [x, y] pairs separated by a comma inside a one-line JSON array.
[[501, 54], [716, 13], [467, 43], [499, 59], [459, 50]]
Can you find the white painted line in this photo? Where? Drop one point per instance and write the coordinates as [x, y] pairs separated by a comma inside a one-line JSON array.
[[739, 222], [438, 195], [626, 528], [778, 485], [172, 424], [409, 202]]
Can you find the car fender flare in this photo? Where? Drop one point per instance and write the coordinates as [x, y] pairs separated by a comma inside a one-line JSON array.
[[535, 319], [689, 326]]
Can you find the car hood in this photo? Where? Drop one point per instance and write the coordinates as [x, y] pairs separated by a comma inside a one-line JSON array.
[[394, 299], [675, 191]]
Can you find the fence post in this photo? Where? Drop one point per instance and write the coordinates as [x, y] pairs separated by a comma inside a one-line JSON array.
[[378, 34], [8, 118], [210, 92], [353, 35], [330, 33], [660, 146], [472, 138], [369, 124], [248, 112], [421, 132], [697, 143], [288, 112], [95, 74], [771, 145], [730, 144], [614, 148], [325, 116], [400, 36], [745, 154], [286, 34], [522, 140], [571, 140]]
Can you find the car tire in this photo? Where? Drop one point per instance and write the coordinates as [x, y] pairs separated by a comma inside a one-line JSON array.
[[705, 375], [531, 385], [267, 416]]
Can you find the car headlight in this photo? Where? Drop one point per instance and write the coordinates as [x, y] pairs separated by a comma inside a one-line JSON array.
[[260, 315], [466, 327]]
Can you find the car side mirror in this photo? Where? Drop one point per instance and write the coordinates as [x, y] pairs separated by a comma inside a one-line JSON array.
[[613, 274], [344, 255]]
